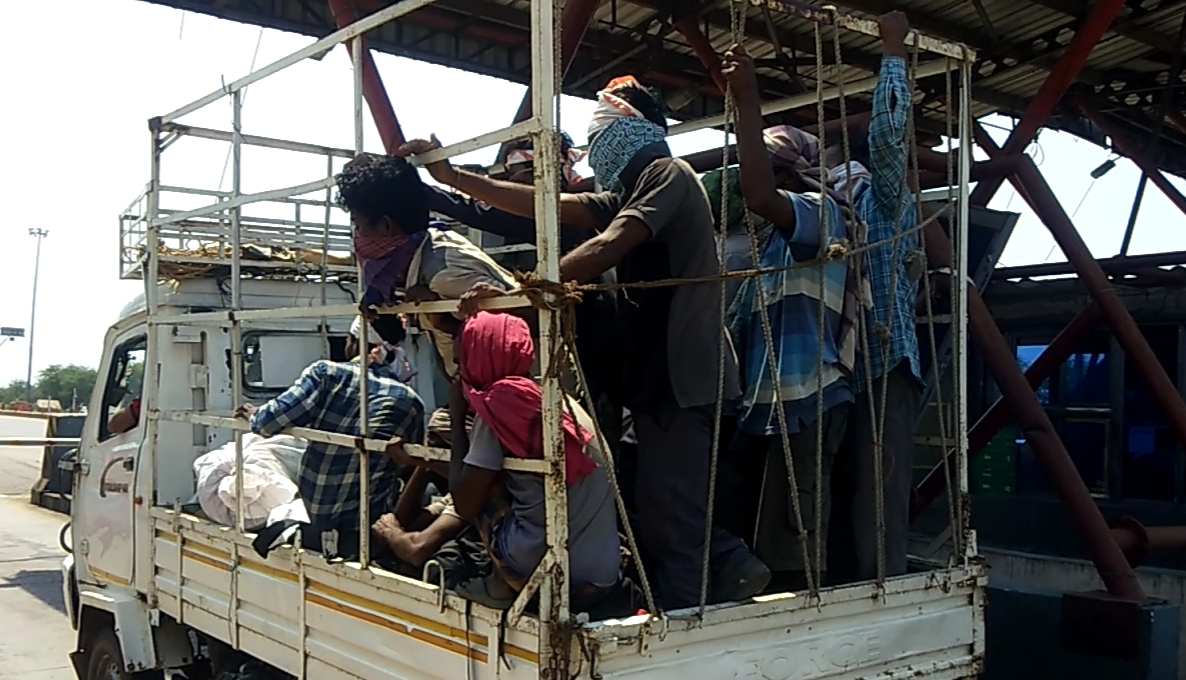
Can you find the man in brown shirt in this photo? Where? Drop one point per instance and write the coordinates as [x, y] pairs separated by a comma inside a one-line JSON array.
[[653, 222]]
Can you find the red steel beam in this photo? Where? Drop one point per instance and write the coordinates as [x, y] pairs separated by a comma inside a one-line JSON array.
[[1131, 150], [574, 21], [1061, 77], [1113, 266], [1138, 541], [999, 414], [1043, 201], [690, 29], [345, 13], [1113, 568]]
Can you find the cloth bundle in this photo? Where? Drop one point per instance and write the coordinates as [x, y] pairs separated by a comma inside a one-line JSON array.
[[270, 469]]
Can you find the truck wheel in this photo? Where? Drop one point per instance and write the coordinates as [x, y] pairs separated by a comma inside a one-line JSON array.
[[105, 661]]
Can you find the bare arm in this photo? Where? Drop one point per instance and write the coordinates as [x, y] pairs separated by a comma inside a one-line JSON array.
[[469, 485], [122, 421], [516, 199], [417, 547], [757, 176], [407, 508], [604, 251]]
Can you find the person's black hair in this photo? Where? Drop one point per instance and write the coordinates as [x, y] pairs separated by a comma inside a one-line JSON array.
[[858, 145], [646, 100], [390, 328], [376, 186]]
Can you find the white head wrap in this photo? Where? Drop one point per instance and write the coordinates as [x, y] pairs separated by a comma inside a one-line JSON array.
[[611, 107]]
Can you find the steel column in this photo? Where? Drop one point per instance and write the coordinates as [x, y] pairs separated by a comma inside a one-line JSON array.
[[390, 132], [1113, 568], [1126, 147], [999, 414], [1043, 201], [1061, 77], [574, 21]]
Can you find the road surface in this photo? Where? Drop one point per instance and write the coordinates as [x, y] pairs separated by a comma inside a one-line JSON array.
[[35, 636]]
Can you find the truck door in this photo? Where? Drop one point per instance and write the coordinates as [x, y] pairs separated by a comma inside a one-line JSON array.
[[103, 494]]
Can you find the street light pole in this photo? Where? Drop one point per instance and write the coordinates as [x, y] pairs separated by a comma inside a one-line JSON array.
[[39, 234]]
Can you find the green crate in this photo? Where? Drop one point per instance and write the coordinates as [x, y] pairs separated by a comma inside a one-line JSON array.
[[1002, 489]]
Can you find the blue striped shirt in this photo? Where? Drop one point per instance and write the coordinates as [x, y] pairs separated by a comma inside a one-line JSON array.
[[886, 204], [792, 302], [325, 397]]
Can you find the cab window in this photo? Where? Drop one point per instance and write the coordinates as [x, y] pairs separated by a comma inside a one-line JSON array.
[[273, 360], [122, 390]]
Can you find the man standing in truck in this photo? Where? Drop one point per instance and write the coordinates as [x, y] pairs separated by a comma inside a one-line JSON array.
[[326, 397], [814, 349], [875, 177], [597, 340], [653, 222]]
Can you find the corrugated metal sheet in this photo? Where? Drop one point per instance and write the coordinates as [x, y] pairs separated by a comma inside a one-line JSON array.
[[1018, 46]]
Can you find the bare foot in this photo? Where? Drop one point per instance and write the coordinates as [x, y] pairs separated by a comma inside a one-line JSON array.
[[388, 528]]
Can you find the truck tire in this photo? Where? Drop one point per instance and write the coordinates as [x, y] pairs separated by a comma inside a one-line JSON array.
[[105, 661]]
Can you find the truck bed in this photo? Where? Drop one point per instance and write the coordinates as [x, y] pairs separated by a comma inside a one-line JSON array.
[[315, 619]]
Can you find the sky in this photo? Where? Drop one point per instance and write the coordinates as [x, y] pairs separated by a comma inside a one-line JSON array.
[[78, 150]]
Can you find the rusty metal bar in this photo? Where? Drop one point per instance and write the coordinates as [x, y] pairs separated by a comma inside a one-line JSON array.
[[390, 132], [999, 414], [1113, 568], [1129, 149], [1113, 266], [39, 442], [1043, 201], [574, 21], [1061, 77], [1139, 541]]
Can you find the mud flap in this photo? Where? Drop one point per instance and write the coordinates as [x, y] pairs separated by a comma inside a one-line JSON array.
[[78, 659]]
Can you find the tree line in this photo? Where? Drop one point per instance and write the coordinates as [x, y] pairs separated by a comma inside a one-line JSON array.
[[71, 385]]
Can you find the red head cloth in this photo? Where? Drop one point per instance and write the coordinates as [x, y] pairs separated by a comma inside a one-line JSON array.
[[495, 360]]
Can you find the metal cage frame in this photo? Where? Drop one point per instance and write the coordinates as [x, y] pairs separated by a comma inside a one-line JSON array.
[[147, 225]]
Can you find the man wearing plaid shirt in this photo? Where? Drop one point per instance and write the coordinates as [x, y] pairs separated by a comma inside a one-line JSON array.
[[876, 178], [326, 397]]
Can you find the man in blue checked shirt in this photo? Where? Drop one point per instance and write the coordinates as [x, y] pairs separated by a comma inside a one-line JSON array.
[[875, 179], [326, 397]]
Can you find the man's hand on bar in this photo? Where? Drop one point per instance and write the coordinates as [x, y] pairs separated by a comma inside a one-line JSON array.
[[441, 171], [471, 299], [894, 29]]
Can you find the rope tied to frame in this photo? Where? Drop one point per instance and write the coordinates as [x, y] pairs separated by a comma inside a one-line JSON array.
[[546, 295]]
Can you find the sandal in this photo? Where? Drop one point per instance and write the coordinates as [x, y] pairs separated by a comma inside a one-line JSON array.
[[476, 590]]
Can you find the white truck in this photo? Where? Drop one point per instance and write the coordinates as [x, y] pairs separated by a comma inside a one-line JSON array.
[[151, 588]]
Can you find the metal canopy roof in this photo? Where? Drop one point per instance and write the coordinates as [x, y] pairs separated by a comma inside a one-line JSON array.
[[1018, 44]]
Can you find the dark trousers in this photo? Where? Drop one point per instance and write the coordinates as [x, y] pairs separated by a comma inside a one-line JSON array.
[[671, 501], [776, 537], [852, 544]]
